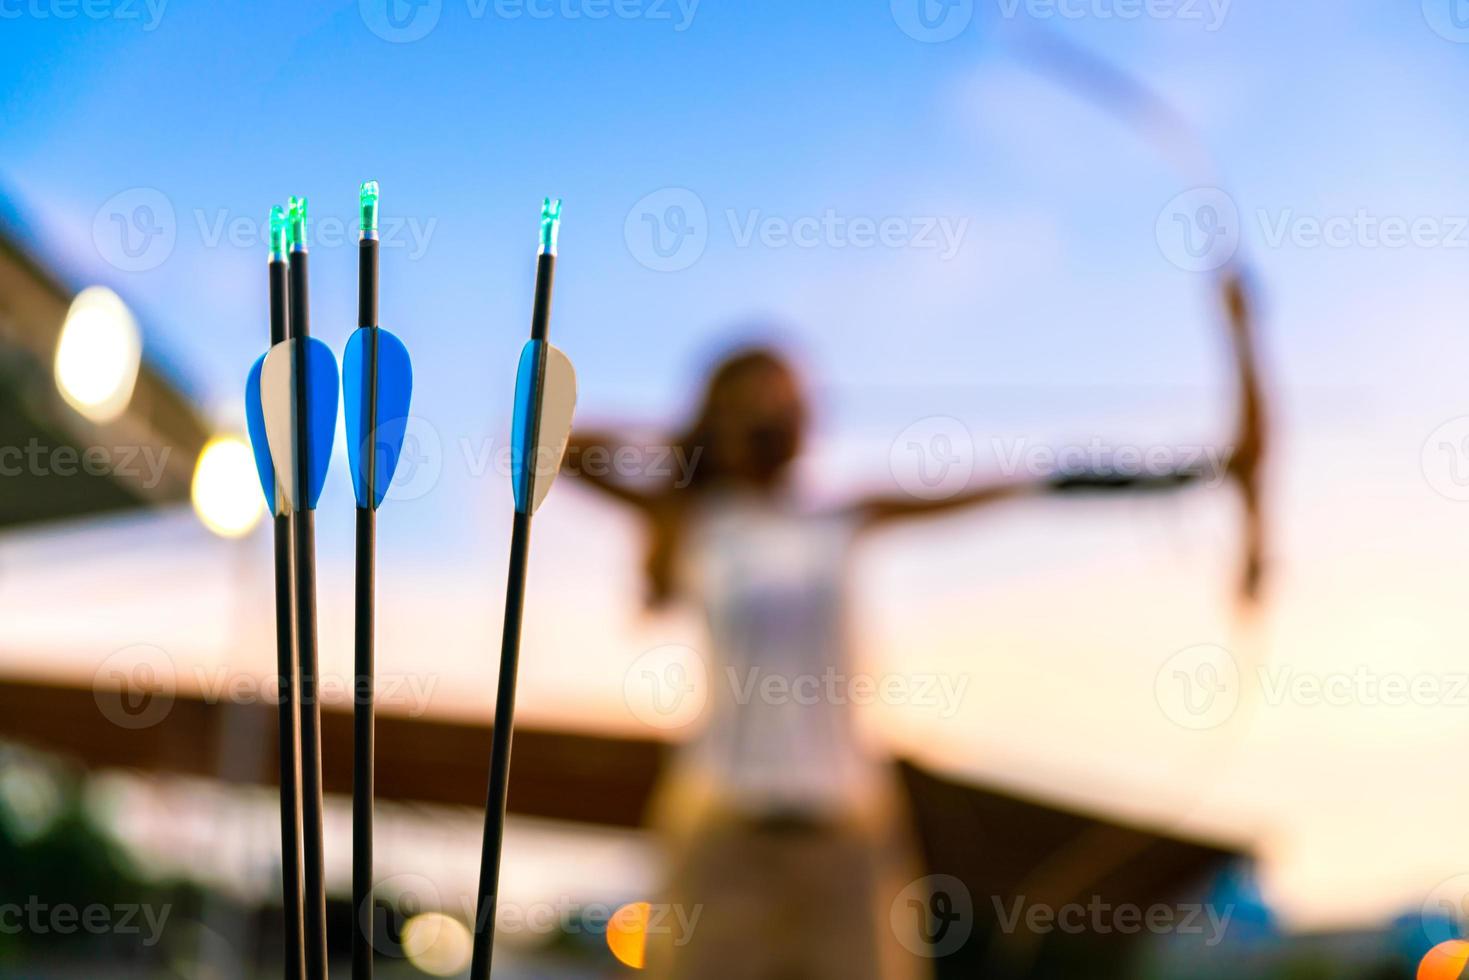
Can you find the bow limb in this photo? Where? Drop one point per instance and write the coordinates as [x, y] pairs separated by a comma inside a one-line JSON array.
[[1251, 439]]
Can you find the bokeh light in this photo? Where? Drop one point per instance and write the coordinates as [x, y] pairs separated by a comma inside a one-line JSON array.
[[627, 934], [438, 944], [98, 354], [225, 491], [1445, 961]]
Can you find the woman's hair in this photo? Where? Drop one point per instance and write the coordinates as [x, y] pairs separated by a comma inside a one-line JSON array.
[[697, 448]]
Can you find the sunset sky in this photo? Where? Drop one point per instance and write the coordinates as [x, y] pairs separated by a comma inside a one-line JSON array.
[[1031, 296]]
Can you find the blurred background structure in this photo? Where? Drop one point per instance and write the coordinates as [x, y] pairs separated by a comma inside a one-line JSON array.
[[982, 273]]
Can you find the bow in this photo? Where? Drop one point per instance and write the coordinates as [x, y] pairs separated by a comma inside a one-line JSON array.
[[1137, 106]]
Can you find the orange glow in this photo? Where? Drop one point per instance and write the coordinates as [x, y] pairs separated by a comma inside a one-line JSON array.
[[1444, 961], [627, 934]]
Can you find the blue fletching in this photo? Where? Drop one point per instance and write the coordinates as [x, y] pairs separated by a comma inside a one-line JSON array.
[[522, 443], [321, 387], [394, 391], [255, 425]]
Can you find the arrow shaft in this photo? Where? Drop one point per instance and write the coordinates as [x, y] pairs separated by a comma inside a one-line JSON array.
[[304, 542], [540, 319], [494, 836], [367, 282], [287, 668], [363, 748]]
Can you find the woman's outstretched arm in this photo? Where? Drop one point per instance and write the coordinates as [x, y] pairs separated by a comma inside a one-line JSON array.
[[592, 456], [1244, 457], [886, 510]]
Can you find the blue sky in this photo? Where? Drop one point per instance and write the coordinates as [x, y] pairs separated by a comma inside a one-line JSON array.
[[1058, 314]]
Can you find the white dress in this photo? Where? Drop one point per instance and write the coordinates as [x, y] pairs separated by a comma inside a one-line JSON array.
[[780, 735]]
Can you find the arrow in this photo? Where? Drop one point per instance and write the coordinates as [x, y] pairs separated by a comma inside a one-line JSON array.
[[287, 661], [545, 396], [377, 384], [299, 383]]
